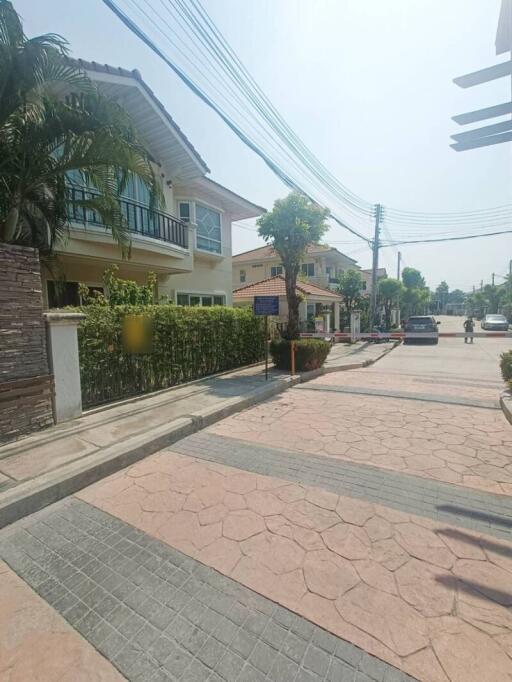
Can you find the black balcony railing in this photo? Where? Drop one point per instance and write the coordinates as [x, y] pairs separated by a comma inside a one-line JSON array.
[[140, 218]]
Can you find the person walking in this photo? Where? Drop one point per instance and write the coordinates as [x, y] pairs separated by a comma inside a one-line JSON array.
[[469, 327]]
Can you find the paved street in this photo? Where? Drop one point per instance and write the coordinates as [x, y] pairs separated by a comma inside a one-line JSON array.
[[357, 527]]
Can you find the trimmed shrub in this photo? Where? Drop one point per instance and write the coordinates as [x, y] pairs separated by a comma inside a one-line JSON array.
[[309, 353], [184, 344], [506, 367]]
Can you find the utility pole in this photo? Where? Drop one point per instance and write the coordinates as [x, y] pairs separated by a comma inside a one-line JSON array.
[[399, 264], [493, 278], [481, 285], [375, 264]]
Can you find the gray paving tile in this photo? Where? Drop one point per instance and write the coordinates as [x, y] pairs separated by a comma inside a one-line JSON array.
[[188, 622], [473, 509], [230, 666]]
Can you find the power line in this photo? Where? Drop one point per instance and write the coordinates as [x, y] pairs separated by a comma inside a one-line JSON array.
[[245, 137], [446, 239], [248, 101]]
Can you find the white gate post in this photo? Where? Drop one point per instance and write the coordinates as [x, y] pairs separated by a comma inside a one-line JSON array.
[[355, 326], [62, 339]]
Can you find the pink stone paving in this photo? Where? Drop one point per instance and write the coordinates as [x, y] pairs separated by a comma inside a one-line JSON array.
[[37, 645], [463, 445], [454, 387], [428, 598]]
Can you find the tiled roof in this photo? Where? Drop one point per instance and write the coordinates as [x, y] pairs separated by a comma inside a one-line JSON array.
[[381, 272], [264, 252], [275, 286], [136, 75]]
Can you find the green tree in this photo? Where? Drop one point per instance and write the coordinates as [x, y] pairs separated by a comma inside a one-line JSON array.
[[47, 139], [441, 296], [412, 278], [416, 296], [350, 287], [294, 223], [456, 296], [389, 292]]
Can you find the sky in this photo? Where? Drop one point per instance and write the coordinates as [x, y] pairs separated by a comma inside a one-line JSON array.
[[366, 84]]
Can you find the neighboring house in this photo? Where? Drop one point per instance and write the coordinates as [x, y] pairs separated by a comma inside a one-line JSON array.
[[322, 265], [187, 243], [316, 301], [367, 278]]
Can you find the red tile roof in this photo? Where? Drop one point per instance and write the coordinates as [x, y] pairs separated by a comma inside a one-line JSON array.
[[264, 252], [275, 286]]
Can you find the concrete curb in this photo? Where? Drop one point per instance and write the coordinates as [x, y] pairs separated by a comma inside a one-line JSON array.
[[506, 404], [31, 496]]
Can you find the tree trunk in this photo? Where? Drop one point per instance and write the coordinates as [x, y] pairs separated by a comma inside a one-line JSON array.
[[293, 304], [387, 309]]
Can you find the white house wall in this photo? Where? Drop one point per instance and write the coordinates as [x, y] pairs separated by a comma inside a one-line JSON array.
[[210, 275]]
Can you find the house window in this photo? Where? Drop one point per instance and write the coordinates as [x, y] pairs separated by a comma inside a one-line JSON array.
[[308, 269], [208, 229], [205, 300], [184, 211], [258, 265], [61, 294], [276, 270], [242, 275]]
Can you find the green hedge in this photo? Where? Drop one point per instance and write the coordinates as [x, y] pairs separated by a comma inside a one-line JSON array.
[[309, 353], [186, 344], [506, 367]]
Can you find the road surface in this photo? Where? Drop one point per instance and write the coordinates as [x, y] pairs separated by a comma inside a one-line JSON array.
[[357, 527]]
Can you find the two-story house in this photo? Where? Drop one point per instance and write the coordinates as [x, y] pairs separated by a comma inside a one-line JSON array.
[[367, 278], [322, 265], [187, 243]]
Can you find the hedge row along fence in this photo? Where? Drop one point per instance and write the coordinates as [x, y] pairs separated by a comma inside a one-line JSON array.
[[184, 344]]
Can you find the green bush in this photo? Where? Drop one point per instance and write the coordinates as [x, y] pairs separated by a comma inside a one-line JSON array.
[[309, 353], [185, 344], [506, 367]]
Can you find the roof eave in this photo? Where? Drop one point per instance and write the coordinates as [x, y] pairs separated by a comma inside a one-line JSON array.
[[96, 71]]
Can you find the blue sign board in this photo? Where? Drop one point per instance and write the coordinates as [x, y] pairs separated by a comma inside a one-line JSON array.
[[266, 305]]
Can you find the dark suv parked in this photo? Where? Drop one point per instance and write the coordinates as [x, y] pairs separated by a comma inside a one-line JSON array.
[[421, 324]]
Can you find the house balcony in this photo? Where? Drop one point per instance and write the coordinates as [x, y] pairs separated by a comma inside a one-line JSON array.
[[142, 221], [325, 281]]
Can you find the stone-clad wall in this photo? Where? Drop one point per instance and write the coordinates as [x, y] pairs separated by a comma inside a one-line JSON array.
[[25, 381]]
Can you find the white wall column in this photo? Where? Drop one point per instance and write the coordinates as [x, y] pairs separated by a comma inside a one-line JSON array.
[[337, 316], [62, 337]]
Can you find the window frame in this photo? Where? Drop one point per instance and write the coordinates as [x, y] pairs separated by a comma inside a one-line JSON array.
[[305, 267], [209, 239], [276, 270], [200, 295], [193, 204], [243, 276], [185, 219]]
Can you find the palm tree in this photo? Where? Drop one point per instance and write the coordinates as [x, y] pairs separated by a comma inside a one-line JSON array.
[[54, 126]]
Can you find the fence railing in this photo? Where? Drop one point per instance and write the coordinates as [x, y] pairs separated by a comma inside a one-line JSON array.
[[140, 218]]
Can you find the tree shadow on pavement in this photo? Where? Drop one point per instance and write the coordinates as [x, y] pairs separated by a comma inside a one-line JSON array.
[[476, 589], [484, 543], [475, 514]]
